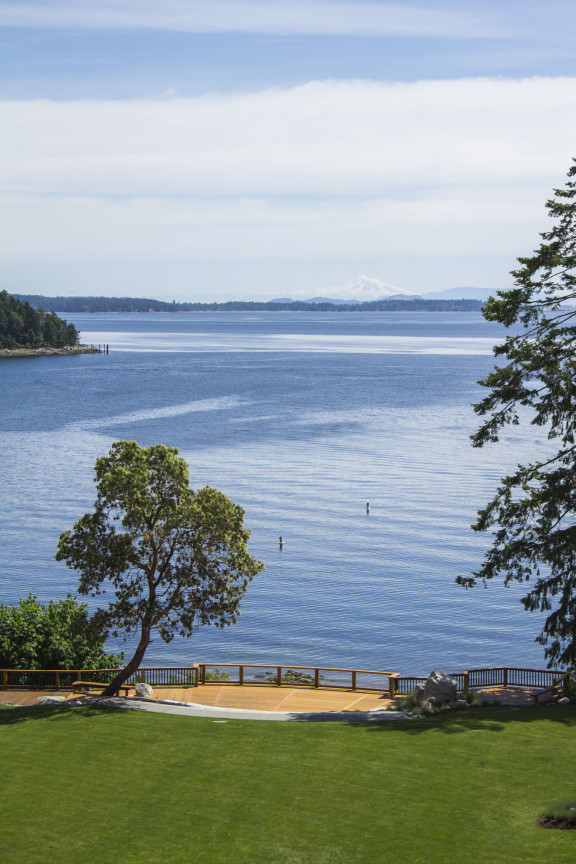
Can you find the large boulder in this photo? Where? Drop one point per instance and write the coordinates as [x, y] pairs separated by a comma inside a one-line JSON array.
[[419, 694], [144, 690], [440, 687]]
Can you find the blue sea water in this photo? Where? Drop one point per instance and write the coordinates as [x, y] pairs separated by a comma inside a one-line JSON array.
[[301, 418]]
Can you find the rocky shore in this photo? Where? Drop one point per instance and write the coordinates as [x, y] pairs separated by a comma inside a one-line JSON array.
[[44, 352]]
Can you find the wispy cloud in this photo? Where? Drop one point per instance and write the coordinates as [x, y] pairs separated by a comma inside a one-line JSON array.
[[85, 229], [278, 17], [330, 170], [326, 139]]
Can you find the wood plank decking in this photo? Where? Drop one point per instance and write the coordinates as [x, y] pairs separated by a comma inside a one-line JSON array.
[[25, 698], [262, 698]]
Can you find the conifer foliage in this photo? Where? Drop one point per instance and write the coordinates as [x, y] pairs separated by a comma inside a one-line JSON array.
[[533, 513], [22, 326]]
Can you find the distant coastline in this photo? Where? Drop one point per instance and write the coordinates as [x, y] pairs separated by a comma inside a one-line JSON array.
[[141, 305]]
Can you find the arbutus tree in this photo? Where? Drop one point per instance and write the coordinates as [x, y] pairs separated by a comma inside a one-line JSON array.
[[169, 558]]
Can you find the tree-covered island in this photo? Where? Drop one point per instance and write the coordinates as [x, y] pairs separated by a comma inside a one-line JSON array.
[[25, 330]]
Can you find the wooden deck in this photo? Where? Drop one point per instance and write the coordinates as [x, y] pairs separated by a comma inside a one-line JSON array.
[[26, 698], [263, 698], [269, 698]]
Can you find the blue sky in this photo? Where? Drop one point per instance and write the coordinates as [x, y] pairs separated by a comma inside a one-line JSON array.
[[209, 149]]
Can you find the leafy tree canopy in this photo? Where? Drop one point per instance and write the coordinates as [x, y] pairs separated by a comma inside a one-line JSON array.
[[57, 636], [533, 512], [169, 558]]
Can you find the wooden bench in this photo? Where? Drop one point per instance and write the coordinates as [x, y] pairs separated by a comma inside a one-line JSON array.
[[87, 686]]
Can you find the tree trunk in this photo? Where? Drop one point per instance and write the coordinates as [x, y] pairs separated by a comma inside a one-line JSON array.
[[132, 666]]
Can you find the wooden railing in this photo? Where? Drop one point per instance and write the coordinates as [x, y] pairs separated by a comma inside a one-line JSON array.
[[392, 683], [56, 679], [296, 676], [512, 676]]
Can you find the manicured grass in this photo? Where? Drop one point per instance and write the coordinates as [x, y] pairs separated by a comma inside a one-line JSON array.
[[99, 786]]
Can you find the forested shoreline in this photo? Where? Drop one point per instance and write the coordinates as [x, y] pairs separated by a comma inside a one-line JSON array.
[[24, 327], [138, 304]]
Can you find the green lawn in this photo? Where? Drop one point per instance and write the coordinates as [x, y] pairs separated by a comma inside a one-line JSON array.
[[84, 785]]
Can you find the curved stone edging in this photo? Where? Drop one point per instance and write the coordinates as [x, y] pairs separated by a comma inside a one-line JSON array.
[[192, 709]]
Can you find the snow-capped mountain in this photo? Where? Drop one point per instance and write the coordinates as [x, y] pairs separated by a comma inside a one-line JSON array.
[[366, 289], [361, 289]]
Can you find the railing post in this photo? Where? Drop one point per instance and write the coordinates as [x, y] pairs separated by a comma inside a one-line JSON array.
[[143, 677], [4, 679], [241, 675], [316, 678], [57, 680], [278, 676], [505, 679], [466, 682], [354, 679], [393, 683], [203, 671]]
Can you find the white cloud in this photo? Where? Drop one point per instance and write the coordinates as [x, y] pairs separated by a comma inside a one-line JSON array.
[[331, 139], [333, 170], [281, 17]]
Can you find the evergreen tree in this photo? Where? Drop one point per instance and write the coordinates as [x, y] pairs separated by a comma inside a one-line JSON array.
[[22, 326], [533, 513]]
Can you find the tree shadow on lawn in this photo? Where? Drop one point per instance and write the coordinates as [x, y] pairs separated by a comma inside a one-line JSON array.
[[492, 718], [10, 715]]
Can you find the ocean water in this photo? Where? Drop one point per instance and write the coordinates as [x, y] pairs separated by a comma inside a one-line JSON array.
[[301, 418]]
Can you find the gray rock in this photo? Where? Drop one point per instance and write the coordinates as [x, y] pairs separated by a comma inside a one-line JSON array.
[[144, 690], [419, 694], [563, 701], [50, 700], [441, 687], [428, 706]]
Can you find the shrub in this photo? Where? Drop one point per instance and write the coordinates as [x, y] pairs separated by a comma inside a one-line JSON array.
[[559, 814], [180, 680], [408, 703], [216, 675], [471, 697], [292, 677], [58, 636]]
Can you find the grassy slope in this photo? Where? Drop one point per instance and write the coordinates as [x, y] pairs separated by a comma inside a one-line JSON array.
[[83, 786]]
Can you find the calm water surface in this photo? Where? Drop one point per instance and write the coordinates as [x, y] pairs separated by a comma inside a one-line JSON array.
[[301, 418]]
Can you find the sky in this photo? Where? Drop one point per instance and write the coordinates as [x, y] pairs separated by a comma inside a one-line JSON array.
[[220, 149]]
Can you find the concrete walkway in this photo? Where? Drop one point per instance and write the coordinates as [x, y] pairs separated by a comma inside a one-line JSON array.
[[222, 714]]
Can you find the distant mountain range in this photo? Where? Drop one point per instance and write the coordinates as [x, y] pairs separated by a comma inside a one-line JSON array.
[[465, 293], [369, 289]]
